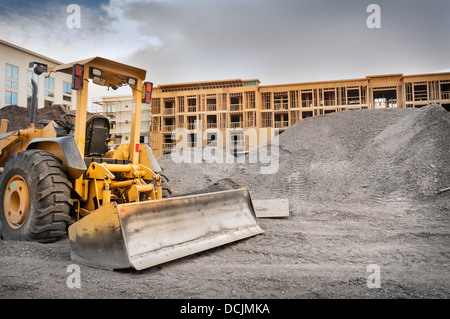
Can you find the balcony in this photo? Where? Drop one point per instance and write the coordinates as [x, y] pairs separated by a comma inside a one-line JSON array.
[[445, 95], [330, 102], [169, 111], [353, 101], [307, 103], [235, 107], [281, 124], [280, 106], [168, 128], [250, 123], [267, 123], [211, 125], [167, 147], [236, 125], [211, 107]]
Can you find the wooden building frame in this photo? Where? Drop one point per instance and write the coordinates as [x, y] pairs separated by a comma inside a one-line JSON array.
[[236, 105]]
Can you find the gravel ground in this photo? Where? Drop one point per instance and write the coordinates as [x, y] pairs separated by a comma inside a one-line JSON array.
[[362, 190]]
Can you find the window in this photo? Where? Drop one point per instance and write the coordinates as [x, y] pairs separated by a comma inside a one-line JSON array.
[[11, 84], [67, 88], [110, 108], [50, 86], [11, 97], [12, 75], [67, 91], [49, 83], [12, 72], [49, 93]]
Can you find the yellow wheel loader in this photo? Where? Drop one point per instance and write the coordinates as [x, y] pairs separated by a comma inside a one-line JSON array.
[[60, 176]]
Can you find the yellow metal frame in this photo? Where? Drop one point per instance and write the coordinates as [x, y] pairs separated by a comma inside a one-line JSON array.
[[101, 182], [18, 141], [97, 185]]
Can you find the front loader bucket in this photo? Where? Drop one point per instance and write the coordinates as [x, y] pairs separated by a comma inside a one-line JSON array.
[[145, 234]]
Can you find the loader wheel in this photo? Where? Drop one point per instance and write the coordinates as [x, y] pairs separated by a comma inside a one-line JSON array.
[[35, 198]]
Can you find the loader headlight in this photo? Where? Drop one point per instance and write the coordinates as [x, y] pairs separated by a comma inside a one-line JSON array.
[[95, 72], [131, 81]]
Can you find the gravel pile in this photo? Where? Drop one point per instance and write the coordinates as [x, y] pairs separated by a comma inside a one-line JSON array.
[[360, 155], [361, 186]]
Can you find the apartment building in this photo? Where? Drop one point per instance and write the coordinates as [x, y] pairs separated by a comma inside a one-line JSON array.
[[233, 106], [118, 109], [15, 79]]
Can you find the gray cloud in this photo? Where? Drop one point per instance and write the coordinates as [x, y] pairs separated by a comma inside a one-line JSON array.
[[277, 41], [290, 41]]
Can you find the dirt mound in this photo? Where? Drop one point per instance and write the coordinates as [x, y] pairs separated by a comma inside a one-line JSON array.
[[18, 116]]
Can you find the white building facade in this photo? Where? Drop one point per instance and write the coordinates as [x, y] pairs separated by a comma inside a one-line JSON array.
[[15, 79], [118, 109]]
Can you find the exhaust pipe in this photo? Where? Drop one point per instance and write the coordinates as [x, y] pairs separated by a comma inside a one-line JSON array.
[[33, 102], [38, 69]]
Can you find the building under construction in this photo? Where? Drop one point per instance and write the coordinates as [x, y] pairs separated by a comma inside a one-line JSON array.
[[229, 107]]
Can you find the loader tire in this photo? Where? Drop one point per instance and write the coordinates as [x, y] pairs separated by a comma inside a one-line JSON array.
[[35, 198]]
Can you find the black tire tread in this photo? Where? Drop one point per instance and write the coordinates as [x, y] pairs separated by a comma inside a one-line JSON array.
[[50, 191]]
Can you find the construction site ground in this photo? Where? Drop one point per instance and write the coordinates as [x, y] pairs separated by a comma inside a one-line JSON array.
[[362, 189]]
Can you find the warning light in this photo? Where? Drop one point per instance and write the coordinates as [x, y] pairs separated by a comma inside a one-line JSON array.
[[77, 77], [148, 86]]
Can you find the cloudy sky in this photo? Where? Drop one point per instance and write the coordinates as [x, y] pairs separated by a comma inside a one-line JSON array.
[[284, 41]]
